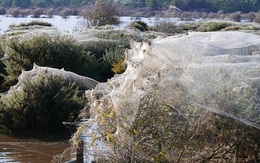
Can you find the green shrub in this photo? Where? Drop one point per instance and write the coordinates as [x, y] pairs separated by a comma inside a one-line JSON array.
[[167, 27], [98, 48], [204, 27], [213, 26], [41, 106], [110, 57], [35, 22], [142, 26], [58, 51]]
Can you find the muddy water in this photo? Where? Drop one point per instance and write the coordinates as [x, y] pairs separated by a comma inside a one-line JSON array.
[[23, 150]]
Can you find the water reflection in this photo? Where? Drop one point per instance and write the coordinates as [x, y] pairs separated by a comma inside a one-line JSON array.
[[29, 150]]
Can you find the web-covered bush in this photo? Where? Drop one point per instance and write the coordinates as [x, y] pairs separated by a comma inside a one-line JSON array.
[[43, 103], [184, 99], [57, 51], [178, 131]]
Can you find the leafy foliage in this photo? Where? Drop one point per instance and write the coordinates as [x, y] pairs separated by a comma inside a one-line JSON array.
[[111, 57], [58, 51], [119, 67], [41, 106]]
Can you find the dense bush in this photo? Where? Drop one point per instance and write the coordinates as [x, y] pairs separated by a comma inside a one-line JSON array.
[[167, 27], [43, 103], [213, 26], [142, 26], [98, 48], [58, 51], [111, 57], [35, 22], [204, 27], [106, 53]]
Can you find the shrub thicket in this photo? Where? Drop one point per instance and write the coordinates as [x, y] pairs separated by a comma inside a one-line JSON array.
[[58, 51], [213, 26], [142, 26], [35, 22], [111, 57], [167, 27], [43, 103]]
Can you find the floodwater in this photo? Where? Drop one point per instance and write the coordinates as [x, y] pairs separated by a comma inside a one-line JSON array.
[[73, 24], [23, 150], [67, 25]]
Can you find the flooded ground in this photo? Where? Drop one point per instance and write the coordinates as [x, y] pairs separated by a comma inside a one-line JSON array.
[[74, 24], [22, 150]]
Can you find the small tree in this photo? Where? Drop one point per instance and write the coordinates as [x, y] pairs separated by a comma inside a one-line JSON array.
[[15, 12], [102, 13], [50, 12], [236, 17], [65, 13], [2, 11], [36, 13]]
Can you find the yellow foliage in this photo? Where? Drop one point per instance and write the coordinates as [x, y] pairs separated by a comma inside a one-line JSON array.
[[119, 67]]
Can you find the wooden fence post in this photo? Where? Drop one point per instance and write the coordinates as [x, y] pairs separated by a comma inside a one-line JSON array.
[[80, 149]]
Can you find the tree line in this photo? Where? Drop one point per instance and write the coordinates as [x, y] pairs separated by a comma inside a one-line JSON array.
[[43, 3], [187, 5], [202, 5]]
